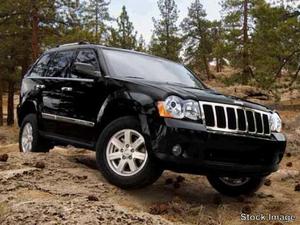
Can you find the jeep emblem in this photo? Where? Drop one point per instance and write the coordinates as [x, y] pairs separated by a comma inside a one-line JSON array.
[[238, 102]]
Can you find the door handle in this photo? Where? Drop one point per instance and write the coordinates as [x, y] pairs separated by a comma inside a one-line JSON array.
[[39, 86], [67, 89]]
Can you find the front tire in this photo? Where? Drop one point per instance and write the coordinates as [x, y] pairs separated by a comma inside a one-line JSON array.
[[236, 186], [29, 138], [123, 156]]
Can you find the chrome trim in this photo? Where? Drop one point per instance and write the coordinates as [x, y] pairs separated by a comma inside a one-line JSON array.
[[67, 120], [39, 86], [263, 125], [235, 107], [67, 89], [62, 78]]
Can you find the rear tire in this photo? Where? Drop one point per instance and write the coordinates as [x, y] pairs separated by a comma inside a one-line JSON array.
[[124, 157], [236, 186], [29, 138]]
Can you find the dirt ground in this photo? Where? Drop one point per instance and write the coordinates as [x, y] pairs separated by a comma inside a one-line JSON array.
[[65, 187]]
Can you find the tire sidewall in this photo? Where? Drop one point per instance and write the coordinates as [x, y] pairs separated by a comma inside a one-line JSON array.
[[37, 143], [247, 188], [123, 181]]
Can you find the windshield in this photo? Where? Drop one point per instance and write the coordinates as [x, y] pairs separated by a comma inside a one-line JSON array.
[[139, 66]]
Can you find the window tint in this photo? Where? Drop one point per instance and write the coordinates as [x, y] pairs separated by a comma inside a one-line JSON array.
[[140, 66], [86, 56], [41, 67], [60, 64]]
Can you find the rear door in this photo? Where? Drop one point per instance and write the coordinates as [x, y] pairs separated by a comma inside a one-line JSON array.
[[81, 99], [53, 81], [33, 84]]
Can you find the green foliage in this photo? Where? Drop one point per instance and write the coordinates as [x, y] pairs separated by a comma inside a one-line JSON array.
[[141, 45], [124, 35], [94, 15], [166, 41], [197, 38], [276, 50], [254, 36]]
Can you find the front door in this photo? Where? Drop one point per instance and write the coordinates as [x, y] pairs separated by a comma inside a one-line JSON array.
[[81, 99]]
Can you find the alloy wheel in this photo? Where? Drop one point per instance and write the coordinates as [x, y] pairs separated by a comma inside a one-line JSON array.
[[234, 181], [126, 152], [27, 138]]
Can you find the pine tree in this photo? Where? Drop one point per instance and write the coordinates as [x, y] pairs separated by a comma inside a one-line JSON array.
[[141, 44], [238, 20], [166, 41], [219, 46], [124, 35], [95, 15], [197, 36], [32, 21], [275, 39]]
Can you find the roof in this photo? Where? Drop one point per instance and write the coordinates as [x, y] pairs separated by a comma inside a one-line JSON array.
[[77, 45]]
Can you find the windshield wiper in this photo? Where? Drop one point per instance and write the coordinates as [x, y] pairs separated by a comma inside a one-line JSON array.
[[135, 77], [182, 85]]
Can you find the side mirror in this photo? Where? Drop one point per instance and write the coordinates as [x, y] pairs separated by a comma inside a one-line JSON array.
[[86, 69]]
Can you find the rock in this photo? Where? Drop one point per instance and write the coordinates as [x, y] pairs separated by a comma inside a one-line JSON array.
[[246, 209], [289, 164], [277, 223], [258, 94], [285, 174], [82, 177], [40, 165], [9, 174], [3, 158], [268, 182], [159, 209], [169, 181], [92, 198], [297, 187], [263, 195], [180, 179]]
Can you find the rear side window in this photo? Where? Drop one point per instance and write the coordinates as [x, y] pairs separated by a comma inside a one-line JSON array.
[[41, 67], [60, 64]]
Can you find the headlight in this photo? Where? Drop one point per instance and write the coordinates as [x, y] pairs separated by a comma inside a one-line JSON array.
[[175, 107], [275, 121]]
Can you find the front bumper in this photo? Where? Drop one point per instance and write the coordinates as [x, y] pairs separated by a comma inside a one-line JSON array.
[[222, 154]]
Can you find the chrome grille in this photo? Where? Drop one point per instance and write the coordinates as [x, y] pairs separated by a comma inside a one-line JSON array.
[[235, 119]]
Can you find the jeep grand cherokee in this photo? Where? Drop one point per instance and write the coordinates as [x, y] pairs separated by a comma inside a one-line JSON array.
[[143, 114]]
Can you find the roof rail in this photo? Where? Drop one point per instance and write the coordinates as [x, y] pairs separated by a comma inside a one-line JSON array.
[[75, 43]]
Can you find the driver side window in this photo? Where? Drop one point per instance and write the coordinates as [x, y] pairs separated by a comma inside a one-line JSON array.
[[87, 56]]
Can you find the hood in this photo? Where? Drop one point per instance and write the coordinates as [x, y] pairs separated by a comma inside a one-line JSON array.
[[166, 89]]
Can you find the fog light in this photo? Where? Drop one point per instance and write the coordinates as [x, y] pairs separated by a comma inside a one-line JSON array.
[[177, 150]]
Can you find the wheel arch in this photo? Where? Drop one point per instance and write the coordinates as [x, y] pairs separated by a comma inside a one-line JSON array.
[[25, 109], [126, 104]]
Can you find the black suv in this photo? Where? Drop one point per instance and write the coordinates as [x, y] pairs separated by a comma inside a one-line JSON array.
[[143, 114]]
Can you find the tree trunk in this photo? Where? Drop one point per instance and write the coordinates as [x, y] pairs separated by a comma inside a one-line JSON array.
[[10, 103], [206, 67], [25, 65], [35, 30], [246, 65], [218, 65], [1, 102], [97, 22]]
